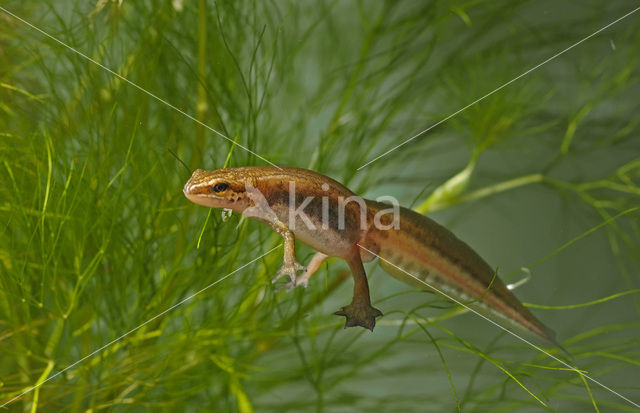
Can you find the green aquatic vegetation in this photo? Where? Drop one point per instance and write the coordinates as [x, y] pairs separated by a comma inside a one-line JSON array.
[[155, 303]]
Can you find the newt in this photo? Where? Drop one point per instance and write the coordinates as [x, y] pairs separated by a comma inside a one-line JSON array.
[[324, 214]]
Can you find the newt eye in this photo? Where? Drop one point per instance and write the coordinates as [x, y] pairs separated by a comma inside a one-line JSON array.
[[220, 187]]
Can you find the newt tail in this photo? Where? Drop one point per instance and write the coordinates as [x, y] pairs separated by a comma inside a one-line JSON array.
[[430, 257]]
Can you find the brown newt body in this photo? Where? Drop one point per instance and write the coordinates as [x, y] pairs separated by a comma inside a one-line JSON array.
[[321, 212]]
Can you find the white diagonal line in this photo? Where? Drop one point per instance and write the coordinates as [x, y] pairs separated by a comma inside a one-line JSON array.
[[505, 329], [119, 76], [137, 328], [499, 88]]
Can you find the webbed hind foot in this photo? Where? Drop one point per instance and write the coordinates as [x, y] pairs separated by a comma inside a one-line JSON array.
[[359, 315]]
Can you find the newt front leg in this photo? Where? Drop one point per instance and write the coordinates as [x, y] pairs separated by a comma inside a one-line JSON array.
[[290, 265], [261, 210], [313, 266]]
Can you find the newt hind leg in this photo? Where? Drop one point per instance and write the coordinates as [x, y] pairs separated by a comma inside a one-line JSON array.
[[359, 312]]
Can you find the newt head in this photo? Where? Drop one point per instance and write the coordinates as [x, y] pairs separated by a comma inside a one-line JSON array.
[[222, 188]]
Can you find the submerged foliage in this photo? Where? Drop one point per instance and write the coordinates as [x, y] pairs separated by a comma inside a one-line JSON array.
[[103, 261]]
